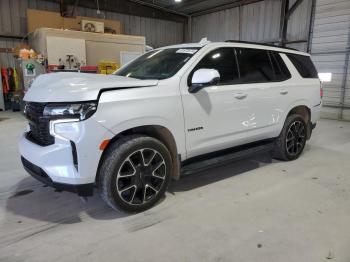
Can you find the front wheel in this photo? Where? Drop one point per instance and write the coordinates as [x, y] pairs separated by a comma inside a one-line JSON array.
[[291, 141], [135, 173]]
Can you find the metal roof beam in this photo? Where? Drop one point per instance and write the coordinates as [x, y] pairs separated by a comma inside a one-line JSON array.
[[131, 7], [293, 8], [286, 12], [168, 10], [225, 6], [187, 4]]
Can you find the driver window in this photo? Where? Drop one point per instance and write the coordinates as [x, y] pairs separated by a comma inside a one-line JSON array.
[[223, 60]]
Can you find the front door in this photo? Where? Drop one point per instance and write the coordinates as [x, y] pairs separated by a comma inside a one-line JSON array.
[[215, 116]]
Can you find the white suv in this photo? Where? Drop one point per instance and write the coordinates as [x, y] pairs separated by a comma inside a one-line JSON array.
[[168, 112]]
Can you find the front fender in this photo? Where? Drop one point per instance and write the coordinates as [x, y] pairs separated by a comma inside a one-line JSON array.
[[125, 125], [140, 121]]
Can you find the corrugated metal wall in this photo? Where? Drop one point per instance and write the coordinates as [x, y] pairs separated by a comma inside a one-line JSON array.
[[217, 26], [299, 24], [157, 32], [258, 22], [330, 51], [254, 22], [13, 21]]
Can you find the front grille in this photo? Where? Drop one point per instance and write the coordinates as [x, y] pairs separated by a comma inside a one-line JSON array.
[[39, 125]]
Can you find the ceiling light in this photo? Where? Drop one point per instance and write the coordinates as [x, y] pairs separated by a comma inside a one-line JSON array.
[[178, 1]]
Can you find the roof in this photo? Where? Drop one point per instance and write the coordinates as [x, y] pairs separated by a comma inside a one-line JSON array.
[[239, 44]]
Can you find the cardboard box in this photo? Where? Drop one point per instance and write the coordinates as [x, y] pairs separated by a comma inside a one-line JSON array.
[[39, 19]]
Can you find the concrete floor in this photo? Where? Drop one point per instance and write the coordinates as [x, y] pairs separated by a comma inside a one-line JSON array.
[[251, 210]]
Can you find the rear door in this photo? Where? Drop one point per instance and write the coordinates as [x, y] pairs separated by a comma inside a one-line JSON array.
[[262, 74]]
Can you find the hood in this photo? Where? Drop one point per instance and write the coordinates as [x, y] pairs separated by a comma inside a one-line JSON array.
[[71, 87]]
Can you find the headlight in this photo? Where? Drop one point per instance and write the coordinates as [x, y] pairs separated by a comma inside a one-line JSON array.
[[81, 111]]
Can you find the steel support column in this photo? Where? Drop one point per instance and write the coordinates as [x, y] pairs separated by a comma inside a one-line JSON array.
[[345, 78], [286, 12]]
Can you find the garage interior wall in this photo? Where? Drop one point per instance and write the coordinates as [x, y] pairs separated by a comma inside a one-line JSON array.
[[13, 21], [329, 41], [330, 49], [259, 22]]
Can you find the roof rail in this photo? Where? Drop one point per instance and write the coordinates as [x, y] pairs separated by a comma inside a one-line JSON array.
[[257, 43], [204, 41]]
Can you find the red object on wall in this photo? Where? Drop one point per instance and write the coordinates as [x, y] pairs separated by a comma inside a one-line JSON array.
[[50, 68], [89, 69], [5, 80]]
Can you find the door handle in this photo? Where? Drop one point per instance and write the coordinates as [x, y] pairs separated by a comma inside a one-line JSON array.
[[284, 92], [240, 95]]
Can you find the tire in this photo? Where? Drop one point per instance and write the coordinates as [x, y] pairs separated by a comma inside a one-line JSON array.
[[291, 142], [135, 173]]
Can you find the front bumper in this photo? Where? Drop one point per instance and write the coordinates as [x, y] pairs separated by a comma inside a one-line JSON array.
[[70, 163], [83, 190]]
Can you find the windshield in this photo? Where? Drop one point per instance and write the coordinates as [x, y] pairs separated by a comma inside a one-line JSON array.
[[158, 64]]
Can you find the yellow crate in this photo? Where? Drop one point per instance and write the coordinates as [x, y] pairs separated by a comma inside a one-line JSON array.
[[107, 67]]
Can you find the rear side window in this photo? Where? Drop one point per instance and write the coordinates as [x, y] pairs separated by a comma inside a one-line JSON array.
[[280, 69], [255, 65], [223, 60], [304, 65]]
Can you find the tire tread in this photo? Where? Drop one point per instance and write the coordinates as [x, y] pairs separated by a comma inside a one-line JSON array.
[[113, 155], [279, 151]]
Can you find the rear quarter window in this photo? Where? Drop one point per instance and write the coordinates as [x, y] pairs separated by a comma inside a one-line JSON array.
[[304, 65], [281, 71]]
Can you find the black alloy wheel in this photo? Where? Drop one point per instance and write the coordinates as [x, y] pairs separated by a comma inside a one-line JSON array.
[[135, 173], [141, 176], [296, 138]]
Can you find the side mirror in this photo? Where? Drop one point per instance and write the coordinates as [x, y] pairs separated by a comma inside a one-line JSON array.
[[202, 78]]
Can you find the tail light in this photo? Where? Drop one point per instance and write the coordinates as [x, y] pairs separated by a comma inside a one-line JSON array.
[[321, 91]]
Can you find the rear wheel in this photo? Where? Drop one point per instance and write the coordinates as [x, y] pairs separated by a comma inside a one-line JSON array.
[[291, 141], [135, 173]]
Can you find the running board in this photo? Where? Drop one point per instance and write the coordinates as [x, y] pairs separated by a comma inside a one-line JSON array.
[[223, 157]]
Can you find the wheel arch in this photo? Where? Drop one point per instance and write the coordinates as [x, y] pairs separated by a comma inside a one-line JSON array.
[[302, 110], [305, 112], [159, 132]]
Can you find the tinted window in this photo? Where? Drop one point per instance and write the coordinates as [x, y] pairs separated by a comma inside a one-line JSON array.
[[254, 65], [158, 64], [304, 65], [280, 69], [223, 60]]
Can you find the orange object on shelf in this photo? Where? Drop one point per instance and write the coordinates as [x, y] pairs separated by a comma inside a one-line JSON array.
[[24, 53]]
